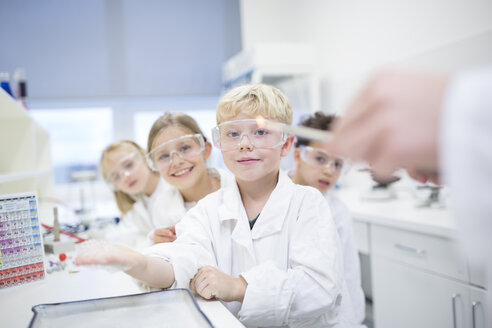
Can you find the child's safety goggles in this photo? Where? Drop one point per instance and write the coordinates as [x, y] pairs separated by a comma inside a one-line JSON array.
[[320, 159], [125, 167], [185, 147], [229, 135]]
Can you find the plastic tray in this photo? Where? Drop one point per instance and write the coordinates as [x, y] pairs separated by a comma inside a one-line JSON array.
[[166, 308]]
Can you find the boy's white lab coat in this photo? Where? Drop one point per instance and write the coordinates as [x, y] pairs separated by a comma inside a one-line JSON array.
[[291, 258], [165, 207], [351, 263]]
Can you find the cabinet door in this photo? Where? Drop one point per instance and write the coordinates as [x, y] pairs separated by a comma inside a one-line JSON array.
[[404, 296], [478, 318]]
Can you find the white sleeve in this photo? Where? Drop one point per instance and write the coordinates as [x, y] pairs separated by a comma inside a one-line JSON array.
[[351, 262], [190, 251], [466, 156], [134, 219], [311, 286]]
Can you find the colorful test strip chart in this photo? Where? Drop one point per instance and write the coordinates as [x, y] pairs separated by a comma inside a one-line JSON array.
[[21, 248]]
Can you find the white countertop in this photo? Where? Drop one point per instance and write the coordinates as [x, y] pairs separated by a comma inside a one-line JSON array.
[[89, 283], [402, 212]]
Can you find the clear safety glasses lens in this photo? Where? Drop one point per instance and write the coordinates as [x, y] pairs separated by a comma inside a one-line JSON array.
[[321, 159], [186, 147], [125, 167], [229, 135]]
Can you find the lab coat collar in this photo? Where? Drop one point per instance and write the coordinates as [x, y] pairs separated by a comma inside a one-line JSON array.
[[271, 218], [232, 209]]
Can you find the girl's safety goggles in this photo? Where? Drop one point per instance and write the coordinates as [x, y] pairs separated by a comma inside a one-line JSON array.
[[125, 167], [320, 159], [229, 135], [185, 147]]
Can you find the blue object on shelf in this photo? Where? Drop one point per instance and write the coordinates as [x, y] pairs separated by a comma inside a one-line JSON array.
[[4, 83], [6, 86]]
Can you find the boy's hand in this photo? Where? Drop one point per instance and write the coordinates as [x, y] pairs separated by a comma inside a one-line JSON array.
[[164, 235], [210, 282], [110, 255]]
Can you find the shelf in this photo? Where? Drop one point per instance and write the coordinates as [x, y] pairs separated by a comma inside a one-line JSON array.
[[23, 175], [272, 59], [272, 63]]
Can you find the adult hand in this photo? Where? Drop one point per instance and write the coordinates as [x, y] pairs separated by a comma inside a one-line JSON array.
[[110, 255], [424, 177], [210, 282], [394, 123], [164, 235]]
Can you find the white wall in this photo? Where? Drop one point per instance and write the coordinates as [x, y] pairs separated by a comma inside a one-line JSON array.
[[354, 37], [119, 48]]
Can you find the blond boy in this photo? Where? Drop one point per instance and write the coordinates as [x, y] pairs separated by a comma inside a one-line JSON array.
[[263, 245]]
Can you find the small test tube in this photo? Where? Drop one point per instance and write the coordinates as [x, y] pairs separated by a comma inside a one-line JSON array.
[[56, 225]]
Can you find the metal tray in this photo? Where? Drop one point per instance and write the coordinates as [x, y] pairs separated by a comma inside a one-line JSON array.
[[166, 308]]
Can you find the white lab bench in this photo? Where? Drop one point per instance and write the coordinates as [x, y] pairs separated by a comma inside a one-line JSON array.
[[89, 283], [419, 274]]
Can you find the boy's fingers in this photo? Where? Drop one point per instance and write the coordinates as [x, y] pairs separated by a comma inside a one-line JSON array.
[[192, 284], [161, 232], [164, 232], [164, 239]]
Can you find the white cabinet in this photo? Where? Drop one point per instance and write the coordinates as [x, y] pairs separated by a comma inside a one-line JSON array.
[[25, 161], [477, 301], [404, 296], [421, 280]]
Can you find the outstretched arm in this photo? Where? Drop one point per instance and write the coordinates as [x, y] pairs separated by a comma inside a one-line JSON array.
[[155, 272]]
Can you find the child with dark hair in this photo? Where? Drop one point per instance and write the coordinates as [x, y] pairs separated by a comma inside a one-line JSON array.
[[318, 169]]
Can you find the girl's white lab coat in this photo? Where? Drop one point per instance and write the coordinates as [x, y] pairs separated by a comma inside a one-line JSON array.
[[165, 207], [351, 263], [147, 212], [291, 258]]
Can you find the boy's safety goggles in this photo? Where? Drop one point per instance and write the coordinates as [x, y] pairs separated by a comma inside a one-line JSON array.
[[186, 147], [125, 167], [320, 159], [229, 135]]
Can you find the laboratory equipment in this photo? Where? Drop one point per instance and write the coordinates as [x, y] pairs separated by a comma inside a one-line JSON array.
[[21, 251], [53, 244], [166, 308], [320, 159], [20, 81], [431, 198], [187, 146], [382, 190], [127, 166], [260, 133], [85, 180]]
